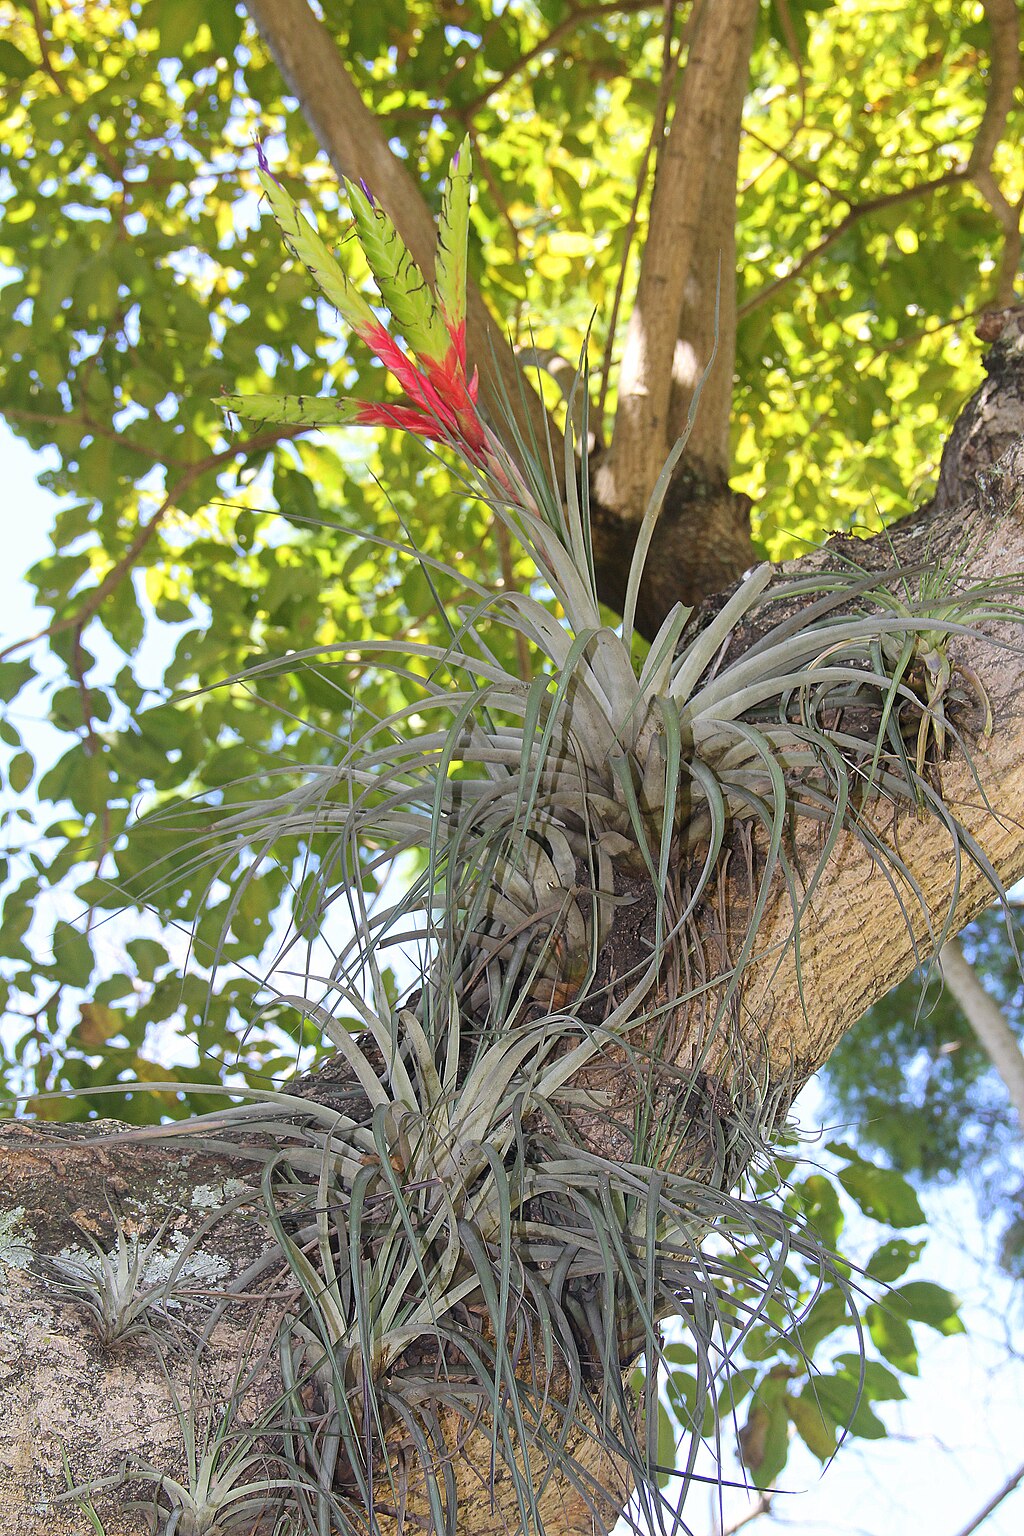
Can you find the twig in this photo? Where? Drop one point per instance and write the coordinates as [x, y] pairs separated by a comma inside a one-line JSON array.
[[575, 17], [761, 1506], [994, 1502], [856, 212]]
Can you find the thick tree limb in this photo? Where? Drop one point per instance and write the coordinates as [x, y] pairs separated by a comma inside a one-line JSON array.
[[858, 920]]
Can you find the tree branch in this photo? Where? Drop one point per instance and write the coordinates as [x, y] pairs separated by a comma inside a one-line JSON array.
[[669, 69], [577, 16], [986, 1019], [356, 146], [691, 229], [1008, 1487], [855, 213], [1003, 19]]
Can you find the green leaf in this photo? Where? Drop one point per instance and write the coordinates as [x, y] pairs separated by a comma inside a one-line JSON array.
[[828, 1313], [880, 1385], [820, 1206], [893, 1259], [838, 1397], [13, 63], [20, 771], [72, 956], [13, 677], [682, 1393], [883, 1194], [928, 1303], [148, 956], [178, 21], [97, 1023], [813, 1423], [71, 523], [892, 1338], [764, 1439]]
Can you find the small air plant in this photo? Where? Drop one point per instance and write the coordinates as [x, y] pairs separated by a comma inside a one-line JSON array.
[[115, 1290], [233, 1483], [127, 1291], [510, 1191]]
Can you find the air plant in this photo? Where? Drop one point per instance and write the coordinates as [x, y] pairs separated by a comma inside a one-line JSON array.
[[508, 1186], [115, 1290], [125, 1292], [232, 1483]]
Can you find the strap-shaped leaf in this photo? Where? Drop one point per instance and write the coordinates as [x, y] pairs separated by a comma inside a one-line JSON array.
[[402, 285], [452, 242], [306, 245]]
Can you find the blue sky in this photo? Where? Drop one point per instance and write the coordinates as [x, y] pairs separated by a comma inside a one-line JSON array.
[[962, 1431]]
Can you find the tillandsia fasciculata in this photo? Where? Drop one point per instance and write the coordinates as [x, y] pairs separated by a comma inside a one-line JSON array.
[[514, 1174]]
